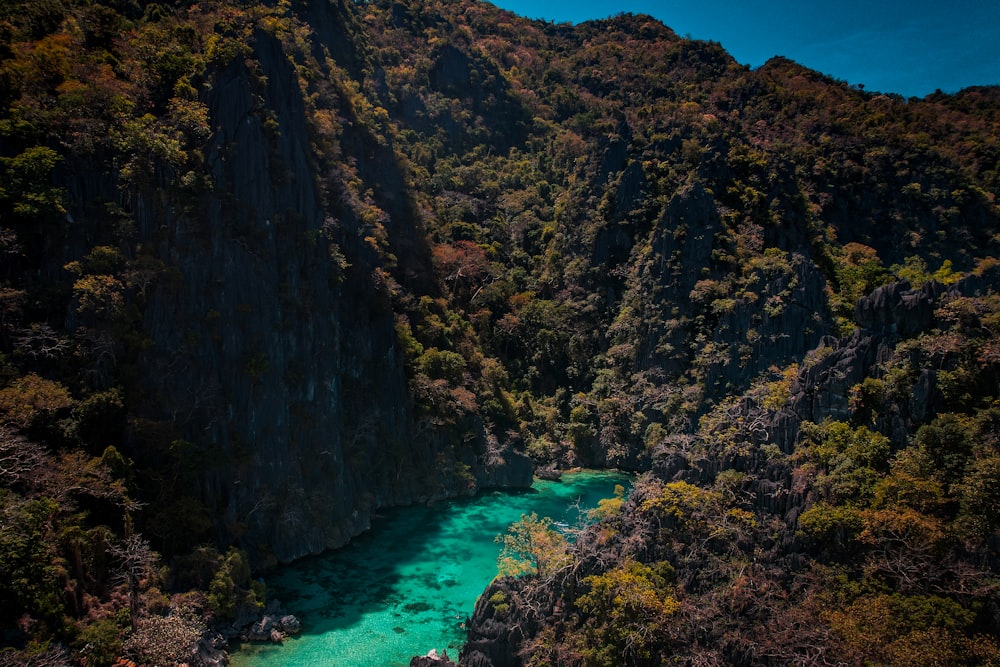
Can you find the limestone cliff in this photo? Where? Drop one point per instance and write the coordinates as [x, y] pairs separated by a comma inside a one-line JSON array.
[[753, 460], [273, 346]]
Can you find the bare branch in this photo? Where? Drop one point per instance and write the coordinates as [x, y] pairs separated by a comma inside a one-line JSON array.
[[19, 457], [41, 341]]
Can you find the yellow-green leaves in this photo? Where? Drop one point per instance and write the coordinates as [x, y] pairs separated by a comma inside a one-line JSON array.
[[30, 397], [627, 608], [532, 546]]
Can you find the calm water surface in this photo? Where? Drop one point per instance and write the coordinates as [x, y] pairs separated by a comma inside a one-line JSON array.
[[407, 585]]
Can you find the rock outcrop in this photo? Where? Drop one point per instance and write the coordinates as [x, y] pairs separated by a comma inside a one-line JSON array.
[[494, 638], [897, 309], [827, 387], [272, 624], [432, 659], [514, 611]]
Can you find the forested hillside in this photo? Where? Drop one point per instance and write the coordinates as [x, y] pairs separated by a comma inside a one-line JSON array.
[[268, 268]]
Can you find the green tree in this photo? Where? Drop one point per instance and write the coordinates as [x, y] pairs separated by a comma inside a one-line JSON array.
[[858, 270], [947, 443], [26, 185], [627, 607], [232, 588], [32, 399], [30, 568], [851, 460], [532, 546]]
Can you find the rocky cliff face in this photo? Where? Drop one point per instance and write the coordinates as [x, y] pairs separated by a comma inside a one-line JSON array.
[[274, 345], [277, 339], [522, 618]]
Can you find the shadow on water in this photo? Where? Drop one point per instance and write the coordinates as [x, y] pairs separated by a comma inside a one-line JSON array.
[[339, 588], [408, 584]]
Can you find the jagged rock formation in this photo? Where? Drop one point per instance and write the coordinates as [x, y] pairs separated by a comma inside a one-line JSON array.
[[432, 659], [550, 617]]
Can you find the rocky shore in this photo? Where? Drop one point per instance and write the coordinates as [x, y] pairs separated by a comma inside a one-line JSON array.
[[272, 624]]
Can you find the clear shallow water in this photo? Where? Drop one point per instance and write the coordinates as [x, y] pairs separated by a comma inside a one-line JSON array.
[[406, 586]]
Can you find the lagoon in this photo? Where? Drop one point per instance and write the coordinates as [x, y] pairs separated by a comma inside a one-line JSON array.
[[407, 585]]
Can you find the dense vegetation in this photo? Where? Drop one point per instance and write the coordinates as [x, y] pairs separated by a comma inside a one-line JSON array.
[[602, 244], [851, 547]]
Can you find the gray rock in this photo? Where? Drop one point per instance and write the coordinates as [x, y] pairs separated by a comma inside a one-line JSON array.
[[290, 624], [211, 651], [261, 630], [432, 659], [897, 309]]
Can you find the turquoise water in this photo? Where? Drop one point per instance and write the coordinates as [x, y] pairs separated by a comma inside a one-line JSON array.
[[406, 586]]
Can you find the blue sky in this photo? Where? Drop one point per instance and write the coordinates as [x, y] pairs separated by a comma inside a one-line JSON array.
[[908, 47]]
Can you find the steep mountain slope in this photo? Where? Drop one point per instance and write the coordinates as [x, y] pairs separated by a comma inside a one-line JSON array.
[[271, 267], [841, 514]]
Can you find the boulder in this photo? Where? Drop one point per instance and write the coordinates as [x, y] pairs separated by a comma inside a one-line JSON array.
[[552, 474], [261, 630], [290, 624], [432, 659], [212, 651], [513, 469]]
